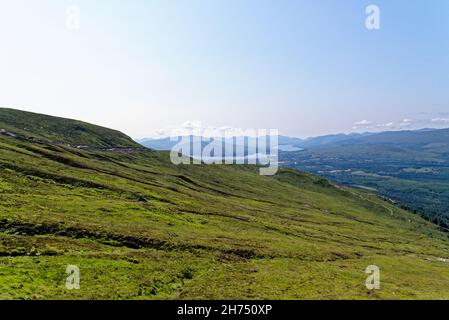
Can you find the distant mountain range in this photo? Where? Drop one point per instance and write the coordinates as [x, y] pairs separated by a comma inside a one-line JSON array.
[[409, 167], [434, 139], [284, 142], [413, 137]]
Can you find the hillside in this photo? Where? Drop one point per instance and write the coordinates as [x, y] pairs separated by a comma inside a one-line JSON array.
[[139, 227], [55, 130], [436, 140], [433, 140]]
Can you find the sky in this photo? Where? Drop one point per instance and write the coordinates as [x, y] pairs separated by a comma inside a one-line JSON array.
[[305, 68]]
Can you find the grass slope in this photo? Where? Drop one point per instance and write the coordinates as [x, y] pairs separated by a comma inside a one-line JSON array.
[[41, 127], [139, 227]]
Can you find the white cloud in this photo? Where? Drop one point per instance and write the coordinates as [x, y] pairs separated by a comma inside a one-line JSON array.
[[440, 120], [362, 123], [161, 132], [405, 123], [196, 128], [191, 125], [386, 125]]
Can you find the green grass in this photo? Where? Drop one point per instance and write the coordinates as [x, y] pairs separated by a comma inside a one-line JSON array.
[[139, 227], [59, 130]]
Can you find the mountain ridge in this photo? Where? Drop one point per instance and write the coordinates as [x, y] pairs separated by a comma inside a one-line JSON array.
[[34, 126], [388, 137]]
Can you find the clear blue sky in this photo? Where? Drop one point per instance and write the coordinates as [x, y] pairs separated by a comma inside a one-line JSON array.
[[303, 67]]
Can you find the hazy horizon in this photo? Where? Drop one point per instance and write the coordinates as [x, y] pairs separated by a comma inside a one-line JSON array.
[[186, 128]]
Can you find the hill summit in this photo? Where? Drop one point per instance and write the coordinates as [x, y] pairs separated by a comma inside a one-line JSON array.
[[39, 127]]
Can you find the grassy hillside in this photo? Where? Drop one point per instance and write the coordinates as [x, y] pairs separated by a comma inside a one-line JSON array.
[[139, 227]]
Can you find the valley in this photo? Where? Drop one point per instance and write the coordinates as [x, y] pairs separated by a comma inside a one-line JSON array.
[[409, 167]]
